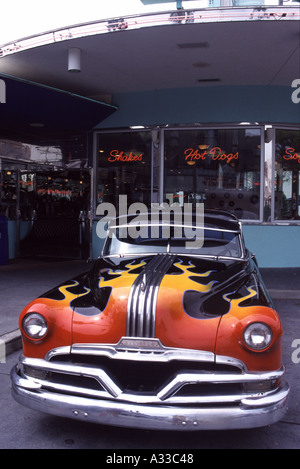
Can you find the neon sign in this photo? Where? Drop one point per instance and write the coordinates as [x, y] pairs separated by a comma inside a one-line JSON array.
[[290, 155], [214, 153], [116, 155]]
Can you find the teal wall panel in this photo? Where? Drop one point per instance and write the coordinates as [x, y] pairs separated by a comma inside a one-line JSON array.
[[214, 104], [274, 246]]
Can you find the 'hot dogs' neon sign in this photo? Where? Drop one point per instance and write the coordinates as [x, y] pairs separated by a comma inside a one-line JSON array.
[[214, 153]]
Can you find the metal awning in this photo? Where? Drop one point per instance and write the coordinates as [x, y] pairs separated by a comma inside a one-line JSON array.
[[39, 114]]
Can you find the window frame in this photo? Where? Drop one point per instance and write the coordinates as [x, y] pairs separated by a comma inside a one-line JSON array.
[[96, 167], [158, 143], [278, 221], [222, 127]]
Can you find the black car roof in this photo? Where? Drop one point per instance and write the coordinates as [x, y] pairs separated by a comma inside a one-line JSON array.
[[221, 219]]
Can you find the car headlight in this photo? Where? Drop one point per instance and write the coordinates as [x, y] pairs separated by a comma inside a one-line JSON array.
[[258, 336], [34, 325]]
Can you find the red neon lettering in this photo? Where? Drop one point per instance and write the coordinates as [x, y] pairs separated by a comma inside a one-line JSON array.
[[290, 155], [192, 155], [215, 153], [115, 155]]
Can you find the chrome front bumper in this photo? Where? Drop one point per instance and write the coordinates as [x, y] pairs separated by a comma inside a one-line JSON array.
[[162, 411]]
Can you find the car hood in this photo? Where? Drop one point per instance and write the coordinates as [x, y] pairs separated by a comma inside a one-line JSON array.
[[177, 299]]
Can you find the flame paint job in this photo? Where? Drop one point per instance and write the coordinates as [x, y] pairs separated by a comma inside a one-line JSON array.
[[186, 332], [109, 325], [201, 304]]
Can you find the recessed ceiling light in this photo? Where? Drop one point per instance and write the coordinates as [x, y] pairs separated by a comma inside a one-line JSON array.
[[205, 80], [201, 64], [192, 45]]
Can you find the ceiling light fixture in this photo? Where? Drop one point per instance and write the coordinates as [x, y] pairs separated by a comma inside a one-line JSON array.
[[74, 60]]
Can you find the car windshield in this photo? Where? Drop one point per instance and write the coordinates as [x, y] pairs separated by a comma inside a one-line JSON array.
[[130, 239]]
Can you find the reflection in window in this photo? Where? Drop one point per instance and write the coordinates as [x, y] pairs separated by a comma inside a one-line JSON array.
[[287, 175], [219, 167], [124, 167], [8, 193], [35, 194]]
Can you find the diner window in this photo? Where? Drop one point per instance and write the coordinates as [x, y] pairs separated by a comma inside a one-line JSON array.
[[219, 167], [124, 167], [287, 175]]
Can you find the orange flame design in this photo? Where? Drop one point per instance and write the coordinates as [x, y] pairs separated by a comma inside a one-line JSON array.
[[122, 276], [186, 283]]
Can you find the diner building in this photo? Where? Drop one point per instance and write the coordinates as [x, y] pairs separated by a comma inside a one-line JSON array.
[[181, 106]]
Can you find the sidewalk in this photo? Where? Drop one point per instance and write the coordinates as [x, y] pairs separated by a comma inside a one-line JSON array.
[[282, 283], [23, 280]]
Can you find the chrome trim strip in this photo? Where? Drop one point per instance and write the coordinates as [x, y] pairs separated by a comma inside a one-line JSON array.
[[58, 351], [221, 360], [141, 307], [170, 224], [217, 378], [97, 373], [272, 398], [145, 349], [153, 253]]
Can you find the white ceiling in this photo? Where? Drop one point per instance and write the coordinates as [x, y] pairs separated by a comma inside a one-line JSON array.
[[229, 53]]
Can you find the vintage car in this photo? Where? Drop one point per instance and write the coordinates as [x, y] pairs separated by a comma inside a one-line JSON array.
[[158, 335]]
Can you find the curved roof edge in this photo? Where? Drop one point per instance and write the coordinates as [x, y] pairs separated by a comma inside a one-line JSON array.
[[117, 25]]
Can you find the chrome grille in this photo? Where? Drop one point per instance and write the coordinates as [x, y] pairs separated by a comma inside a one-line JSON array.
[[169, 376], [144, 377]]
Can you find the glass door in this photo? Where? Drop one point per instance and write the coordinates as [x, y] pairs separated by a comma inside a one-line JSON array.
[[59, 213]]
